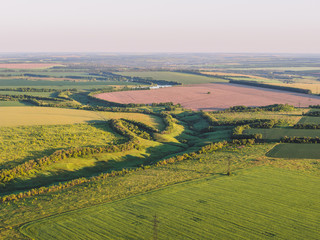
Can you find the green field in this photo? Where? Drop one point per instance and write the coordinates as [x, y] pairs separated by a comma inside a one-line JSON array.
[[260, 203], [310, 120], [278, 133], [295, 150], [14, 104], [23, 143], [12, 83], [291, 117], [173, 76]]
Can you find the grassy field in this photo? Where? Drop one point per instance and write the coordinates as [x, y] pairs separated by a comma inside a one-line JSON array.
[[23, 143], [295, 150], [291, 117], [173, 76], [310, 120], [18, 116], [16, 213], [59, 84], [13, 104], [278, 133], [259, 203]]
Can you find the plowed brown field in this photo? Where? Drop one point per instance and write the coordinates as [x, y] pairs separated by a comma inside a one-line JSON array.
[[221, 96], [27, 65]]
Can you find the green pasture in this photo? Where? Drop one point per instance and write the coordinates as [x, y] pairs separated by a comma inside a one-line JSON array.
[[28, 142], [37, 94], [173, 76], [259, 203], [309, 120], [278, 133], [295, 151], [14, 104], [59, 84]]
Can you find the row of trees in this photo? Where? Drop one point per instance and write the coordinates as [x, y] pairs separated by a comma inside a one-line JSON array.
[[264, 85], [314, 106], [307, 126], [312, 114], [269, 108], [300, 139]]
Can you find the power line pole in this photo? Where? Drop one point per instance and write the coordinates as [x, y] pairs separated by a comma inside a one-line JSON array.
[[229, 167], [155, 227]]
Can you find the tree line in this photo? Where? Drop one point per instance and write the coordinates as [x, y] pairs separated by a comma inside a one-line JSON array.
[[264, 85], [287, 139]]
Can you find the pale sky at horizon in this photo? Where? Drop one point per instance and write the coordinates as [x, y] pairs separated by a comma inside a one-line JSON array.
[[277, 26]]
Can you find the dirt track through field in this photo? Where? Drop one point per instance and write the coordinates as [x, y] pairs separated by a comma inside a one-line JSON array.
[[221, 96]]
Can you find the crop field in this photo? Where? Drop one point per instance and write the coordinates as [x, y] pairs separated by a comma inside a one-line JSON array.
[[212, 96], [278, 133], [295, 151], [309, 120], [18, 116], [27, 65], [183, 78], [259, 203]]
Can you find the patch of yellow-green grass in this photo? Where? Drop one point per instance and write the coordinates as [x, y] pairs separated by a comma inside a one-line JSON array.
[[183, 78], [14, 104], [170, 137], [98, 163], [23, 143], [291, 117], [26, 116]]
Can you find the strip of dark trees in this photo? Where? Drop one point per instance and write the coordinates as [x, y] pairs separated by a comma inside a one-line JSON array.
[[263, 85], [312, 114], [306, 126], [300, 140], [269, 108]]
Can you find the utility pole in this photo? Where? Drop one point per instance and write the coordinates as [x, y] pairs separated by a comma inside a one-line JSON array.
[[229, 167], [155, 227]]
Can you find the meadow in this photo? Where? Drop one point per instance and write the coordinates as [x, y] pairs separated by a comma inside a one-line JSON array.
[[211, 208]]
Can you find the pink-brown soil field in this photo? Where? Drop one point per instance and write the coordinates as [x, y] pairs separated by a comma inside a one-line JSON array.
[[27, 65], [221, 96]]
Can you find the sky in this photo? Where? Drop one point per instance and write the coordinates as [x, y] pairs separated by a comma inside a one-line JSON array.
[[264, 26]]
